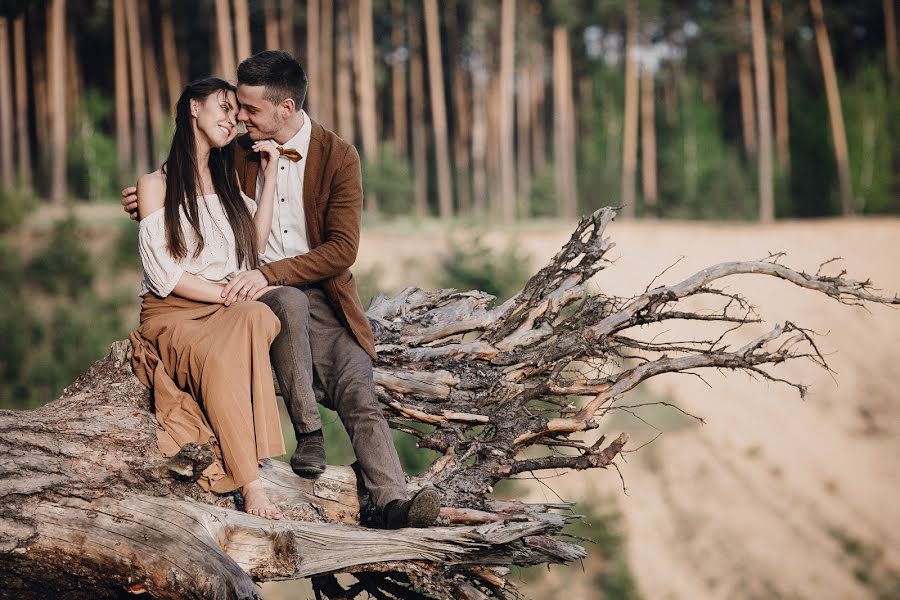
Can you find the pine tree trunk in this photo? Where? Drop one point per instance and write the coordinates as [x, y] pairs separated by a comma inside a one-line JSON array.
[[365, 61], [462, 113], [39, 80], [764, 115], [122, 85], [538, 126], [345, 101], [311, 64], [648, 143], [242, 32], [271, 16], [564, 124], [745, 78], [417, 109], [325, 59], [890, 36], [523, 141], [480, 78], [74, 80], [7, 162], [151, 72], [23, 138], [629, 138], [507, 104], [398, 79], [835, 112], [779, 78], [225, 40], [56, 70], [286, 33], [170, 56], [139, 101], [438, 109]]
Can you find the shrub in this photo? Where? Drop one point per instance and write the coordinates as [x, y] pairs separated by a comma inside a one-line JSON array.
[[390, 178], [15, 205], [472, 265], [63, 266]]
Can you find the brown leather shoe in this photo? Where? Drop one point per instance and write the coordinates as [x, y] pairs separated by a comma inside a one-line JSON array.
[[308, 459], [421, 510]]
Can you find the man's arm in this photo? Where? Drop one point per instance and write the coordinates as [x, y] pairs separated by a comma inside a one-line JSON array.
[[130, 202], [340, 242]]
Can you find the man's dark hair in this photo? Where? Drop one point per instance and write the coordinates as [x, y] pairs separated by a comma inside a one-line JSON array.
[[280, 72]]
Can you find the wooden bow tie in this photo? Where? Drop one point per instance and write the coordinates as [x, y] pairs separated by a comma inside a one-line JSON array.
[[289, 153]]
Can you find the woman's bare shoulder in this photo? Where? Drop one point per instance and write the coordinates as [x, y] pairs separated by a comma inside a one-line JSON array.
[[151, 193]]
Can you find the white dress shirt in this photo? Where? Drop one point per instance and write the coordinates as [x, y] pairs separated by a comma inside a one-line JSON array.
[[288, 235]]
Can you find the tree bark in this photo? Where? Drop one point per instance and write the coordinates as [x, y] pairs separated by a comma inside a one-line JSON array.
[[564, 124], [835, 112], [89, 508], [325, 59], [139, 101], [242, 31], [462, 113], [271, 26], [344, 85], [629, 137], [7, 162], [151, 72], [764, 113], [286, 32], [23, 141], [507, 158], [364, 52], [779, 78], [648, 143], [480, 79], [225, 40], [438, 109], [745, 78], [170, 56], [123, 125], [890, 36], [56, 71], [398, 79], [417, 108]]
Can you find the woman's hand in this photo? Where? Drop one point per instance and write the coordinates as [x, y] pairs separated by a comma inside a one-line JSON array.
[[268, 153]]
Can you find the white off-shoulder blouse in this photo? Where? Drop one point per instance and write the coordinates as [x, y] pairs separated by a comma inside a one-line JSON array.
[[217, 262]]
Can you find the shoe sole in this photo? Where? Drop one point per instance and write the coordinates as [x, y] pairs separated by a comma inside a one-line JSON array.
[[426, 506], [308, 471]]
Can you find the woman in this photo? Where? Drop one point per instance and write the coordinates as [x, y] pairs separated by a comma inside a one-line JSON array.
[[207, 364]]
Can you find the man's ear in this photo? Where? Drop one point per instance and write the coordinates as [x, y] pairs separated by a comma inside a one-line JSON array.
[[289, 106]]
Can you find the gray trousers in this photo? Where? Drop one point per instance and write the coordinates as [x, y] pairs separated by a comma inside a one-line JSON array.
[[313, 342]]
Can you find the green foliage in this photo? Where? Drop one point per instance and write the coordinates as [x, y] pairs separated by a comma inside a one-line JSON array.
[[700, 175], [125, 253], [873, 123], [390, 178], [471, 265], [64, 266], [92, 157], [15, 205], [543, 197]]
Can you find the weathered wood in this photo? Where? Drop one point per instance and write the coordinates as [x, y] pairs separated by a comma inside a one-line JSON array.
[[90, 509]]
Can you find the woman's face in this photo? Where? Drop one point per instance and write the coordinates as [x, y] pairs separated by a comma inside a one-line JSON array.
[[216, 118]]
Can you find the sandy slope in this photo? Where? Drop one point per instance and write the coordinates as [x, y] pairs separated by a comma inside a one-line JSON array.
[[755, 503]]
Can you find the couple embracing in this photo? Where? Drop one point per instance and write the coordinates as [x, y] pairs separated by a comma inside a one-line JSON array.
[[246, 244]]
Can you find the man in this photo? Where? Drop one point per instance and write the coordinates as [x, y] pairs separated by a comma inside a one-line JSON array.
[[313, 242]]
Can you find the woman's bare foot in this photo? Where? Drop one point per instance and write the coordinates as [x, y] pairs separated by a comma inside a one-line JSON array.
[[257, 503]]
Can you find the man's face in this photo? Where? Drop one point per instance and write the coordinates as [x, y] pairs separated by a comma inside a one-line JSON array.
[[262, 119]]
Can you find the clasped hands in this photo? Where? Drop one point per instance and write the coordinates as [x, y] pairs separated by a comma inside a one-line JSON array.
[[247, 285]]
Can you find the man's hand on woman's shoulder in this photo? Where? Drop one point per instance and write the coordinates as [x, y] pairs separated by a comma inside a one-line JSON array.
[[129, 202]]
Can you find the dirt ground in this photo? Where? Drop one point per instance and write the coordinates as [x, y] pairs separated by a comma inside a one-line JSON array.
[[774, 496]]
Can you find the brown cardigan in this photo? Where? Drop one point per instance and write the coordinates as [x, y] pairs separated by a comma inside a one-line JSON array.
[[332, 204]]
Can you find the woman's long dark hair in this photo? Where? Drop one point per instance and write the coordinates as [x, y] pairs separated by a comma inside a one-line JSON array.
[[183, 181]]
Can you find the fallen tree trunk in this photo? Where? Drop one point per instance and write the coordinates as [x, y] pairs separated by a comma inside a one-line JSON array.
[[90, 509]]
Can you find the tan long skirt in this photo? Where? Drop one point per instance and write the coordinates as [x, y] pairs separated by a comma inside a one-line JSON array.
[[208, 369]]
